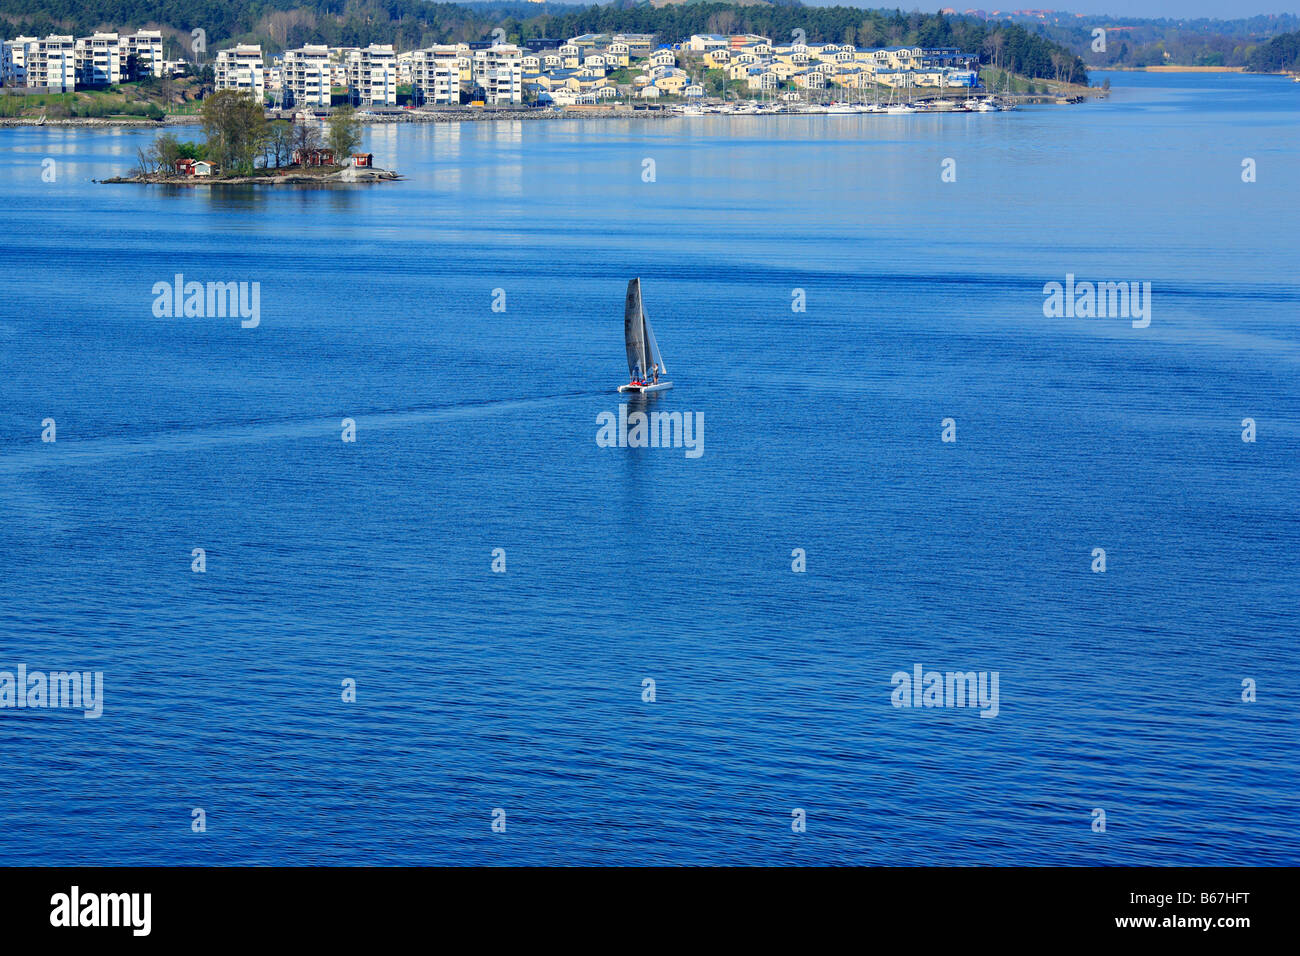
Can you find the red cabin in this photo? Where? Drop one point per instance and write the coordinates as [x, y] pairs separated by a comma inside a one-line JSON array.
[[313, 157]]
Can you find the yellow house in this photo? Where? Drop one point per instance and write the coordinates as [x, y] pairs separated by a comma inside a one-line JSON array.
[[621, 53], [853, 79], [673, 83], [717, 59]]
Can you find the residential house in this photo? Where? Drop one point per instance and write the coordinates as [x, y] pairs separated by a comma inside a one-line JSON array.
[[313, 157]]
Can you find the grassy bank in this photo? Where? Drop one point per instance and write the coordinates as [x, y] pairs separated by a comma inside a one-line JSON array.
[[148, 99]]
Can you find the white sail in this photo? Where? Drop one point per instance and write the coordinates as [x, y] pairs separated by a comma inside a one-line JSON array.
[[655, 357]]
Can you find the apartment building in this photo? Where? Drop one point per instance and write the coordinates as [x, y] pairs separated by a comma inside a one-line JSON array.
[[52, 64], [14, 56], [306, 75], [435, 75], [499, 71], [99, 60], [372, 76], [240, 68], [142, 53]]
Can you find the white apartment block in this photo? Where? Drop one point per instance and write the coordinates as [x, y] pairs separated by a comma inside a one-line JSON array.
[[435, 75], [240, 68], [106, 58], [142, 53], [372, 76], [13, 60], [99, 60], [500, 71], [52, 64], [306, 76]]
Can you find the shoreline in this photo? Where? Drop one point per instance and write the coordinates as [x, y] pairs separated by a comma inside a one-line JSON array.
[[1178, 69], [464, 115], [343, 176]]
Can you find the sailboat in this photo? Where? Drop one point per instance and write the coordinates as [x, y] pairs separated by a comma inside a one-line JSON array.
[[642, 349]]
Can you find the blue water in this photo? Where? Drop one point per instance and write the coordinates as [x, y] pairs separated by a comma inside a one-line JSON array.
[[476, 430]]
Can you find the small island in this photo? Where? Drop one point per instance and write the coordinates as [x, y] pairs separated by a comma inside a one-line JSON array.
[[242, 147]]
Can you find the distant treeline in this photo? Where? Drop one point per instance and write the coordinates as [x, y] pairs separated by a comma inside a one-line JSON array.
[[1280, 54], [1136, 42], [410, 24]]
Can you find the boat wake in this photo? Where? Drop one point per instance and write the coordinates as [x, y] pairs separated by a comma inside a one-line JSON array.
[[75, 451]]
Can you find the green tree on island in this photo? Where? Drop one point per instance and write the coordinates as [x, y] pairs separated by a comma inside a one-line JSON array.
[[235, 125], [344, 133]]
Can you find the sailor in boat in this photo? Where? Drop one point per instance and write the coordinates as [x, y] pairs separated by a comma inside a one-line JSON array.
[[656, 373]]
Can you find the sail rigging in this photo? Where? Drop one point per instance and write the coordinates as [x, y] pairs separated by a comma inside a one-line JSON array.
[[652, 347], [634, 332]]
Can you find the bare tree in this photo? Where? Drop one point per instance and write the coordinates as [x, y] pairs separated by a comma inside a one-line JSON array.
[[303, 137], [279, 145]]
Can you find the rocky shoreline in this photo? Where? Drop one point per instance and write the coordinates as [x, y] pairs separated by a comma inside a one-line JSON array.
[[98, 121], [347, 175]]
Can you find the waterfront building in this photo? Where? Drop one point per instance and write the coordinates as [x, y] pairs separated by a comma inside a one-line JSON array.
[[498, 70], [99, 60], [435, 75], [241, 68], [306, 76], [142, 54], [372, 76], [52, 64], [14, 56]]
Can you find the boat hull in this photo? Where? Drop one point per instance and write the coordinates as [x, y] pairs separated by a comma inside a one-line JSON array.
[[660, 387]]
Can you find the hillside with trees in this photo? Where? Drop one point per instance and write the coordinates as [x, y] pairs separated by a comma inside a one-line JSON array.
[[1279, 55], [1254, 43]]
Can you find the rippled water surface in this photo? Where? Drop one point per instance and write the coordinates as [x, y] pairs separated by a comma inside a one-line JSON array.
[[476, 429]]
